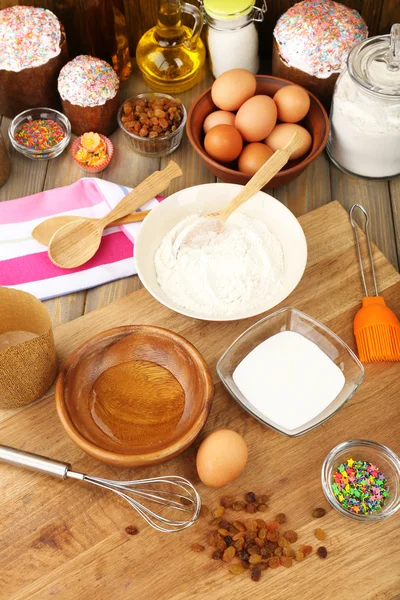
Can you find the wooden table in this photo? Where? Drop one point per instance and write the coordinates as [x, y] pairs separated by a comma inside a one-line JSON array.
[[318, 185]]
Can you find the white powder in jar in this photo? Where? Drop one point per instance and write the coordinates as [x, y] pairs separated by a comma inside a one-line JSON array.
[[221, 274], [365, 131], [233, 49]]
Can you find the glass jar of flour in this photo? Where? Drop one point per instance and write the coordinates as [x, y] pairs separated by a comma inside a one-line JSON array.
[[232, 37], [365, 114]]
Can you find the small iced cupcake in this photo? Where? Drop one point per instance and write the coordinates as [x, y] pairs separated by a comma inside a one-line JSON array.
[[92, 152], [312, 41], [89, 88], [33, 48]]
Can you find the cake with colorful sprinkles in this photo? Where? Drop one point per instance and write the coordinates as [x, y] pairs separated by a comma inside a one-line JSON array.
[[33, 49], [89, 88], [312, 41]]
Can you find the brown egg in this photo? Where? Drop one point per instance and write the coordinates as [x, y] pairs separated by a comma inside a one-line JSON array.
[[223, 143], [218, 117], [293, 103], [232, 88], [253, 156], [221, 458], [256, 118], [283, 133]]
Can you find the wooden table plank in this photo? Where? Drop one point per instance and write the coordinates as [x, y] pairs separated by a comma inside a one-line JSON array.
[[394, 187]]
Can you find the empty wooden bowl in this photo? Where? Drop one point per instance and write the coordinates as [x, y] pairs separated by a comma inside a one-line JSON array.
[[135, 395], [316, 122]]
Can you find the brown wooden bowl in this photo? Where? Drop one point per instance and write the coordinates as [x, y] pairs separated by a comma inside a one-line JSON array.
[[135, 395], [316, 122]]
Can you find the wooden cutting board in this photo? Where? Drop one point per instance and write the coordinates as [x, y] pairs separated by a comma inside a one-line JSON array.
[[66, 540]]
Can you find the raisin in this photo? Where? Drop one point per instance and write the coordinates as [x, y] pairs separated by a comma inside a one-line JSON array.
[[236, 569], [283, 542], [218, 512], [253, 549], [263, 566], [251, 497], [251, 525], [262, 534], [232, 530], [299, 555], [238, 505], [322, 552], [256, 573], [291, 536], [265, 553], [286, 561], [204, 511], [278, 551], [281, 518], [259, 543], [238, 536], [271, 546], [261, 523], [228, 554], [263, 499], [288, 552], [239, 543], [245, 564], [244, 555], [228, 540], [223, 524], [223, 532], [274, 562], [251, 507], [317, 513], [213, 538], [250, 536], [221, 545], [217, 555], [262, 507], [197, 547], [131, 530], [239, 525], [273, 525], [273, 536], [227, 501], [255, 559], [320, 534], [306, 550]]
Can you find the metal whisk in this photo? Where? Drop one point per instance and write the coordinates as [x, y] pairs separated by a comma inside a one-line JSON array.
[[174, 493]]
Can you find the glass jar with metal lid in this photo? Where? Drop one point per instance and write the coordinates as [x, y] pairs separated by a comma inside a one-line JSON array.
[[365, 115], [232, 37]]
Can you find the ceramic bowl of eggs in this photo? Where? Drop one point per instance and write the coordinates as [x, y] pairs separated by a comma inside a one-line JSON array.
[[238, 123]]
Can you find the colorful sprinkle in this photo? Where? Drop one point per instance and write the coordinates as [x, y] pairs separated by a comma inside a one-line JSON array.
[[360, 487], [87, 81], [316, 36], [40, 134], [29, 37]]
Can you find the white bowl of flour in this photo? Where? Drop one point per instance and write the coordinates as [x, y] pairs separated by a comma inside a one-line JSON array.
[[251, 267]]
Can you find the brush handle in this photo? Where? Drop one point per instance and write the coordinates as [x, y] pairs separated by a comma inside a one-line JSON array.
[[143, 192], [34, 462]]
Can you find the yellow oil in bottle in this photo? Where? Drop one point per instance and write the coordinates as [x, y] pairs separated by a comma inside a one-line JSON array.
[[170, 55]]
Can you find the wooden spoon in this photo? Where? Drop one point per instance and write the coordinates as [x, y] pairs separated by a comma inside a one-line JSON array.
[[43, 232], [215, 221], [75, 243]]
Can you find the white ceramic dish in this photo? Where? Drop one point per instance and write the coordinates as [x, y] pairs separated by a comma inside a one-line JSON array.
[[211, 197]]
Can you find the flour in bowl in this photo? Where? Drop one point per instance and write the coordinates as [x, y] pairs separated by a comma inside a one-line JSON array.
[[221, 274]]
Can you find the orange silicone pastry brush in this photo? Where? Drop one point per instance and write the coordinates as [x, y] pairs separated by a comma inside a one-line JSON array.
[[376, 327]]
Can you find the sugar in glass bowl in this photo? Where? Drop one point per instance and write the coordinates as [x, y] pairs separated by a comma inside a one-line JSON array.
[[365, 450], [291, 319], [33, 114]]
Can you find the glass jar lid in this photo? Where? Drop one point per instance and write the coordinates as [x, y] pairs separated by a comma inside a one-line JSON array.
[[375, 63], [228, 9]]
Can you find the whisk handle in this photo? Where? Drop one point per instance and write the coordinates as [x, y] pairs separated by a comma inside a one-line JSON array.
[[35, 462]]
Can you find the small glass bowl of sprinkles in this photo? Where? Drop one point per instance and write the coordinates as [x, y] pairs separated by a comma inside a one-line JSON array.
[[361, 480], [40, 133]]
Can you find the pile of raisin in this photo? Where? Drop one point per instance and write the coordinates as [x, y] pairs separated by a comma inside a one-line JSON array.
[[152, 118]]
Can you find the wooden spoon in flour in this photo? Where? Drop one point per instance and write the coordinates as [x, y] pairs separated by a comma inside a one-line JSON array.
[[215, 221]]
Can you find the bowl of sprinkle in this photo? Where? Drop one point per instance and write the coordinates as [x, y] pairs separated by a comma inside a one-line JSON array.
[[40, 133], [92, 152], [361, 480]]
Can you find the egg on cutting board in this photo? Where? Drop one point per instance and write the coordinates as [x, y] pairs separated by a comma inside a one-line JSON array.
[[221, 458], [218, 117], [256, 118], [283, 133], [223, 143]]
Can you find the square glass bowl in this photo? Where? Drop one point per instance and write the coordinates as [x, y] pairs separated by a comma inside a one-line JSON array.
[[291, 319]]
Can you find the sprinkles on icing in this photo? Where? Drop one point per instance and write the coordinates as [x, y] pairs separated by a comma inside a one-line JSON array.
[[316, 36], [87, 81], [29, 37], [360, 487]]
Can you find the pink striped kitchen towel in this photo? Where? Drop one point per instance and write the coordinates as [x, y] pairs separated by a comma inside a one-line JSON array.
[[24, 263]]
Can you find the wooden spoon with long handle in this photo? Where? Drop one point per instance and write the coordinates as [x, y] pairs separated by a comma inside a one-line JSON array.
[[43, 232], [75, 243], [215, 221]]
